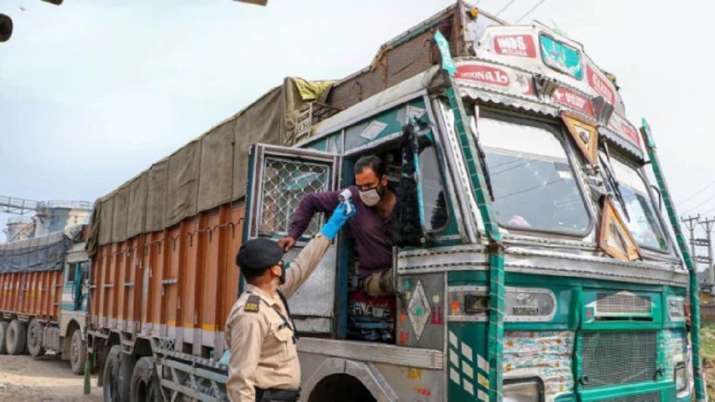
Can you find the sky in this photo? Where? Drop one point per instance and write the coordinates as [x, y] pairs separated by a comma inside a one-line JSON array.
[[91, 93]]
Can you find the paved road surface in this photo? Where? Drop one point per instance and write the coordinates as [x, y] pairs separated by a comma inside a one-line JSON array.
[[49, 379]]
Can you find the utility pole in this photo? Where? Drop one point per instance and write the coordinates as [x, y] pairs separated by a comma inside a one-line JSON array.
[[708, 224], [691, 223]]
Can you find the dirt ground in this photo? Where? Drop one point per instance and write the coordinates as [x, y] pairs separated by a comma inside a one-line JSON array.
[[49, 379]]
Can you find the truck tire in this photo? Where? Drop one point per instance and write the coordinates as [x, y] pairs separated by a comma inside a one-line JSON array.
[[16, 338], [145, 386], [116, 386], [34, 339], [78, 353], [3, 335]]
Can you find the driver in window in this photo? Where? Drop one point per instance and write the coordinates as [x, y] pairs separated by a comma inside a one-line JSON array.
[[371, 227]]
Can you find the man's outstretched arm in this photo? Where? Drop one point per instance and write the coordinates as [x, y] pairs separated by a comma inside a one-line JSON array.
[[310, 205], [309, 258]]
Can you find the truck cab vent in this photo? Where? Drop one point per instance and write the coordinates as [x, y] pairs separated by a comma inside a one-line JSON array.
[[622, 304]]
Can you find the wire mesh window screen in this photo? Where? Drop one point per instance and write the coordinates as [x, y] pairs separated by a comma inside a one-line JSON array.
[[285, 183], [622, 303], [611, 358]]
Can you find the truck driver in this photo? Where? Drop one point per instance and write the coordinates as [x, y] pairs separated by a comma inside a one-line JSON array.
[[371, 228], [263, 363]]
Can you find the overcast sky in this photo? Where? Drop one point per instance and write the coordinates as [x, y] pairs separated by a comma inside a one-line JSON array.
[[93, 92]]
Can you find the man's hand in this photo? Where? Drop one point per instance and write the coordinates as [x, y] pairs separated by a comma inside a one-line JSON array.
[[286, 243]]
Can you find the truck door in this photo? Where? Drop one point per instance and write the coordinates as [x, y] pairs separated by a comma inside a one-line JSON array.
[[278, 179]]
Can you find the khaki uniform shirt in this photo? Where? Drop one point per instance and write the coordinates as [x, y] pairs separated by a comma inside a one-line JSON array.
[[263, 353]]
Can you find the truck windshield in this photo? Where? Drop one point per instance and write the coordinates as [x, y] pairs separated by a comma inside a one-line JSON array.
[[534, 186], [641, 219]]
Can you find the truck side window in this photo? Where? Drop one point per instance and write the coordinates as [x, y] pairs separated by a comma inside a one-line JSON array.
[[433, 194], [71, 272]]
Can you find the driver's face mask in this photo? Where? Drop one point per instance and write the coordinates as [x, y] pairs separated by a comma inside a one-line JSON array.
[[370, 197]]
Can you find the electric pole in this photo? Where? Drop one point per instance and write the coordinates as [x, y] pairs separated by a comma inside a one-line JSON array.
[[707, 224]]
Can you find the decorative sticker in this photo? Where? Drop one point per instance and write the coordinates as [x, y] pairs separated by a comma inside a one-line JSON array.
[[624, 128], [614, 237], [585, 135], [515, 45], [561, 57], [483, 73], [502, 78], [373, 130], [675, 350], [573, 100], [546, 354], [419, 310], [599, 83]]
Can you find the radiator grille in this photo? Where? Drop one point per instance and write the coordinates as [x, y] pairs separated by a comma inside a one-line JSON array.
[[648, 397], [622, 303], [613, 358]]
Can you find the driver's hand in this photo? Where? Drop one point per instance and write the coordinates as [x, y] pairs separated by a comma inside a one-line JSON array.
[[286, 243]]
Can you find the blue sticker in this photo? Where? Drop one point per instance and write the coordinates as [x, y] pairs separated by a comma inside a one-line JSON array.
[[561, 57]]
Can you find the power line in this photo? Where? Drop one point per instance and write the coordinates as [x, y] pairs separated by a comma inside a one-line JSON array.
[[531, 10], [504, 8], [700, 204], [700, 191]]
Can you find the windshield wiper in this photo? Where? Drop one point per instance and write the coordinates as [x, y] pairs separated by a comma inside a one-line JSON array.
[[612, 181], [483, 164]]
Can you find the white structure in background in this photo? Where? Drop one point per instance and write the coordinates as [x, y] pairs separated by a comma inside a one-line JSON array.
[[50, 216]]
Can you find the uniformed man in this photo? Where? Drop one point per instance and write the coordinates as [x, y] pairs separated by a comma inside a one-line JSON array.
[[263, 364]]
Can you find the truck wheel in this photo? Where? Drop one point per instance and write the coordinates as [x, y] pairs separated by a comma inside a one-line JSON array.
[[3, 335], [78, 353], [34, 339], [145, 386], [16, 338], [117, 375]]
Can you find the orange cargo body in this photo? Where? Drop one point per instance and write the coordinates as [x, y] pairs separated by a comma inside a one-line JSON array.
[[31, 294], [179, 283]]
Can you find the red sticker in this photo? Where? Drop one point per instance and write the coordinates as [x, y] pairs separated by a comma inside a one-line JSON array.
[[600, 84], [573, 100], [437, 315], [481, 73], [515, 45], [624, 128], [404, 337], [423, 391]]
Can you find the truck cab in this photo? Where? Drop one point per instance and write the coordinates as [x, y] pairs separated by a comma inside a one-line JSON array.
[[526, 138]]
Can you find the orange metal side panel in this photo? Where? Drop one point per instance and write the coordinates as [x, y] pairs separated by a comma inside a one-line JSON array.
[[178, 283], [32, 294]]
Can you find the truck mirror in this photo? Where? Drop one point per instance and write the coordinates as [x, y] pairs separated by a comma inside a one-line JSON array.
[[5, 28]]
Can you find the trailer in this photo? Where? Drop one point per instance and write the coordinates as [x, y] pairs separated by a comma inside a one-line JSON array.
[[43, 297], [539, 265]]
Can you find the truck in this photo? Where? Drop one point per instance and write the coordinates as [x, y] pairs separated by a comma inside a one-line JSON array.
[[43, 296], [533, 259]]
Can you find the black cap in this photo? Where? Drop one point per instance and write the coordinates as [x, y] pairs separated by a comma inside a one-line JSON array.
[[258, 254]]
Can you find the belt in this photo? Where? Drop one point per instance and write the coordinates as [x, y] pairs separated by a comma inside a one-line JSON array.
[[277, 395]]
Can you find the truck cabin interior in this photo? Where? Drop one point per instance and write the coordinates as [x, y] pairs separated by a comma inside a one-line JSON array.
[[372, 318]]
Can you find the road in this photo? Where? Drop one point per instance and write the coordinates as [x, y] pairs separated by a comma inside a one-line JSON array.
[[49, 379]]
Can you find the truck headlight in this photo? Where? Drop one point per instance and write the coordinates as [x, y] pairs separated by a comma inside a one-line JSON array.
[[523, 390], [681, 378]]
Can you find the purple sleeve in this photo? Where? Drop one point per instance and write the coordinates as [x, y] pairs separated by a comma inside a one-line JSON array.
[[310, 204]]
